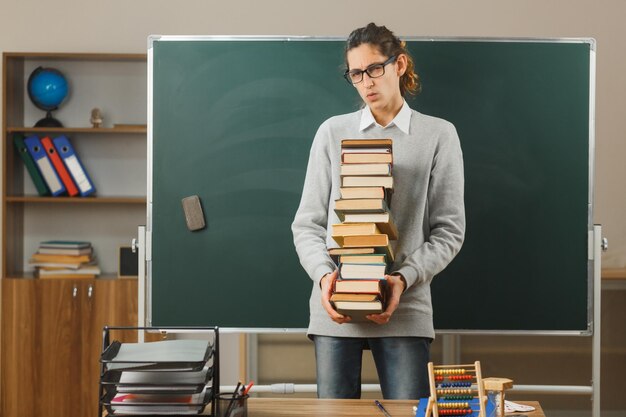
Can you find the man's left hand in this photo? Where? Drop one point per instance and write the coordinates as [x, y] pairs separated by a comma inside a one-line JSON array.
[[395, 287]]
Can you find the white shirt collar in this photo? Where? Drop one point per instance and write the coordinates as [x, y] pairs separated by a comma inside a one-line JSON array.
[[402, 119]]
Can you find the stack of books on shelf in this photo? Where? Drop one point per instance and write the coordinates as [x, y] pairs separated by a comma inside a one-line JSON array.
[[65, 259], [53, 166], [171, 377], [366, 227]]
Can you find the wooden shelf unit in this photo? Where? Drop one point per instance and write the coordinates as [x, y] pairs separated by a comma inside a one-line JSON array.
[[64, 317], [16, 197]]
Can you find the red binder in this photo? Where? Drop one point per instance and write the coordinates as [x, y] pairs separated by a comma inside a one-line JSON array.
[[59, 166]]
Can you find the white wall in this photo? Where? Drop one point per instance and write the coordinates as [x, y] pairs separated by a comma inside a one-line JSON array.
[[122, 26]]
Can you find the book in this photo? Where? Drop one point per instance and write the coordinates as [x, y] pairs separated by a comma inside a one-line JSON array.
[[367, 143], [360, 205], [65, 244], [68, 252], [366, 158], [67, 276], [373, 258], [42, 257], [85, 271], [349, 251], [29, 163], [339, 296], [362, 241], [360, 286], [55, 265], [358, 310], [380, 243], [367, 181], [365, 192], [360, 150], [384, 222], [347, 229], [365, 169], [362, 271]]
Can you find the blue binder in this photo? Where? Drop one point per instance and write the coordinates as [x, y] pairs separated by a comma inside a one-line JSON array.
[[44, 165], [74, 165]]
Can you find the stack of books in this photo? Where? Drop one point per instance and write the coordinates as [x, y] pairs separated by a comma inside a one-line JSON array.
[[54, 166], [65, 259], [366, 227]]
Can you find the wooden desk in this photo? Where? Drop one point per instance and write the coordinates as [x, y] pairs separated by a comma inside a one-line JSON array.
[[311, 407]]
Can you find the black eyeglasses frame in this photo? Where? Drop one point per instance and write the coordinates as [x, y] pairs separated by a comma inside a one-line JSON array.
[[346, 74]]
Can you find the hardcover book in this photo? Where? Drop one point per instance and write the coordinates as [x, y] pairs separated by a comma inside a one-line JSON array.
[[380, 243], [367, 181], [365, 192], [349, 251], [347, 229], [367, 143], [353, 297], [365, 169], [360, 205], [366, 158], [358, 310], [362, 271], [374, 258], [383, 221], [358, 286]]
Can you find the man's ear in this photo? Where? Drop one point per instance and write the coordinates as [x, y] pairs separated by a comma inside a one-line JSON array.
[[402, 64]]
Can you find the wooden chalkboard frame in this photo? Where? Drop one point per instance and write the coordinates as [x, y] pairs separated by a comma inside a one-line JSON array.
[[580, 329]]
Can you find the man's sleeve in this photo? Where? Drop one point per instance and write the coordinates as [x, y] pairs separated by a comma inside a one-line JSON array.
[[310, 222]]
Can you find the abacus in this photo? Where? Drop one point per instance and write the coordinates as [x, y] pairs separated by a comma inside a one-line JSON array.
[[456, 390]]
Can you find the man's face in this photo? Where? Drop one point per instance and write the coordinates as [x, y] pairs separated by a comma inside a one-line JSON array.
[[379, 93]]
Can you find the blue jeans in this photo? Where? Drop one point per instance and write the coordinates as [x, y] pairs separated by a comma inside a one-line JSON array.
[[401, 364]]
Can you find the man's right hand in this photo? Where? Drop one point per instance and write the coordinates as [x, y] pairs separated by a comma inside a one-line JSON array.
[[326, 284]]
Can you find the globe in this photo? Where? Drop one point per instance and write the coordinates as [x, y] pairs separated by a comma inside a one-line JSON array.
[[47, 88]]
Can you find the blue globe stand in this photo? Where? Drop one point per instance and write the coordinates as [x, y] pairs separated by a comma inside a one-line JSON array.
[[48, 121]]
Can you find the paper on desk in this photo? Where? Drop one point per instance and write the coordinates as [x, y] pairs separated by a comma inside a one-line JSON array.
[[511, 407]]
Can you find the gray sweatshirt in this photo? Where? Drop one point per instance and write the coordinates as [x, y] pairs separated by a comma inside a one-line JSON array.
[[427, 207]]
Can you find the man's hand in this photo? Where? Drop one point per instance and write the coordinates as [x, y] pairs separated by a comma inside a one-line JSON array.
[[326, 283], [395, 287]]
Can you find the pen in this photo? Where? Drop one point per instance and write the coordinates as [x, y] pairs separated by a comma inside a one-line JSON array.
[[247, 388], [233, 399], [381, 408]]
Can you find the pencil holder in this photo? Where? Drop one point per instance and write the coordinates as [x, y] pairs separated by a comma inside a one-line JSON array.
[[232, 405]]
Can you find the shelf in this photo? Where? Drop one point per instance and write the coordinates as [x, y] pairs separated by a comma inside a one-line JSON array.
[[76, 56], [76, 200], [95, 130], [30, 276]]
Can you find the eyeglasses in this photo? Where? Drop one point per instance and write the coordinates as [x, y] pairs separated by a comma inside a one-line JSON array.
[[355, 76]]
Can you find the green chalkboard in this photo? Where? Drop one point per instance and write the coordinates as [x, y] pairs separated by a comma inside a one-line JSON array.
[[232, 121]]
